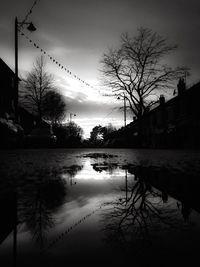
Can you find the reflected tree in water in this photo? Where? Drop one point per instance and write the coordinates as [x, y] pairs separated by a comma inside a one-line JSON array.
[[39, 193], [71, 171], [38, 201], [138, 212]]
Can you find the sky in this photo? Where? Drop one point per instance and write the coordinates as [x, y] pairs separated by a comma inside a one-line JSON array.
[[78, 32]]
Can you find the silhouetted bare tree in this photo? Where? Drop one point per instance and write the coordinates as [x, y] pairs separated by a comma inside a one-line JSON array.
[[137, 70], [37, 83]]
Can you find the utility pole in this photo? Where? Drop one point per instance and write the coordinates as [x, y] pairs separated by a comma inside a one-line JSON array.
[[31, 28], [70, 116], [15, 219], [16, 71], [126, 184], [124, 111]]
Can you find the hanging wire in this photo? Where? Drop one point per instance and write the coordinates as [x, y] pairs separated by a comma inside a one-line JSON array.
[[114, 108], [29, 13], [45, 53], [110, 112], [55, 61]]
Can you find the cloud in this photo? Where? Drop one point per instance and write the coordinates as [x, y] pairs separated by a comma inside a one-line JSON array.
[[81, 105]]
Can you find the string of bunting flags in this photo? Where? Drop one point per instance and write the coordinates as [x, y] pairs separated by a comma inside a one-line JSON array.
[[54, 60], [71, 228]]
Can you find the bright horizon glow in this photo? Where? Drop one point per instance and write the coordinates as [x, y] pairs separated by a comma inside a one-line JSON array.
[[87, 124]]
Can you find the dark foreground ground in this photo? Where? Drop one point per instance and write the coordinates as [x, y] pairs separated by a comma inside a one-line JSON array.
[[99, 207]]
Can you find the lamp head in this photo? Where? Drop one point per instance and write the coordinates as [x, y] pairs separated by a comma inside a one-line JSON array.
[[31, 27]]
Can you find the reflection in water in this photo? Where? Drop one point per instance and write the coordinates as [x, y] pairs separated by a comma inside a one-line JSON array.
[[183, 187], [33, 201], [144, 207], [138, 206], [36, 204], [73, 170], [104, 166], [185, 210], [130, 216]]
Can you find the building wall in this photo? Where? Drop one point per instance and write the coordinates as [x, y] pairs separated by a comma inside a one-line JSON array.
[[7, 90]]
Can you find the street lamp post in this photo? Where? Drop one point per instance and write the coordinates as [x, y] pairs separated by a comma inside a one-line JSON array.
[[124, 109], [31, 28], [126, 184], [16, 69], [70, 116]]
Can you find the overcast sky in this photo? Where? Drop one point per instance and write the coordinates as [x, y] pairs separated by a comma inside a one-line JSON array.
[[77, 33]]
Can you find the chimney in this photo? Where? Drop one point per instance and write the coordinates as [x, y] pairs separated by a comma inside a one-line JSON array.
[[162, 100], [181, 86]]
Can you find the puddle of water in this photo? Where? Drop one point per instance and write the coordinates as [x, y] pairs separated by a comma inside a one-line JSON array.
[[101, 208]]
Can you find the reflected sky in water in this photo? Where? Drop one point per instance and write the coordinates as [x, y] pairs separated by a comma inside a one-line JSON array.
[[100, 205]]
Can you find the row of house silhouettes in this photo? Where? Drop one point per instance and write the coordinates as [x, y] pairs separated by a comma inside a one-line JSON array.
[[172, 124]]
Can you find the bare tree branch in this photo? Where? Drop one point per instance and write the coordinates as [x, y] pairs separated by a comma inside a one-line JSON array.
[[35, 87], [136, 69]]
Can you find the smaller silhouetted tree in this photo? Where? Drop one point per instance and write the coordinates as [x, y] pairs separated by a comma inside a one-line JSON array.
[[54, 107], [96, 135], [69, 135], [108, 129], [100, 133]]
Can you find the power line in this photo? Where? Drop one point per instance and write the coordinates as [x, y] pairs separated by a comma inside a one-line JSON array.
[[110, 112]]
